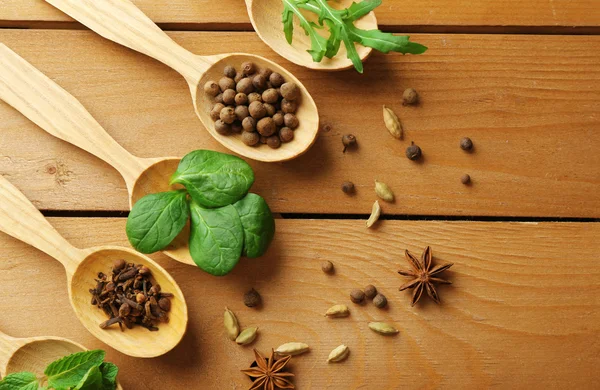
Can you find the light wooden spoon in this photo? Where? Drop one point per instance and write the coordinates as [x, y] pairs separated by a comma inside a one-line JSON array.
[[20, 219], [34, 354], [122, 22], [56, 111], [265, 16]]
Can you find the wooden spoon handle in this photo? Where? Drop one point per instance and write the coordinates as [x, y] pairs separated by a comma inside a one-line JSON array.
[[20, 219], [53, 109], [122, 22]]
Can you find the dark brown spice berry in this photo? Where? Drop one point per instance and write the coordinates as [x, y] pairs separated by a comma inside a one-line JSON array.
[[291, 121], [229, 71], [254, 97], [249, 124], [226, 83], [357, 296], [215, 113], [259, 82], [270, 96], [257, 110], [278, 118], [290, 91], [274, 142], [286, 134], [236, 127], [327, 267], [222, 127], [266, 72], [288, 107], [370, 291], [270, 109], [348, 140], [266, 127], [348, 187], [465, 179], [250, 138], [211, 88], [413, 152], [241, 99], [466, 144], [241, 112], [229, 97], [248, 68], [380, 301], [263, 139], [219, 98], [252, 298], [227, 115], [276, 79], [245, 86], [119, 264], [238, 77], [410, 96]]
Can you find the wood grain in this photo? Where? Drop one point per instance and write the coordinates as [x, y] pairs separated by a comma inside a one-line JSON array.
[[530, 104], [497, 15], [522, 312]]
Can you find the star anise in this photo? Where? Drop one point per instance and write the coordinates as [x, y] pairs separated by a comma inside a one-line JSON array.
[[269, 374], [423, 276]]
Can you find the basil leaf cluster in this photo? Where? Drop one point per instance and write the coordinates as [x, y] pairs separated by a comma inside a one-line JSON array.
[[226, 222]]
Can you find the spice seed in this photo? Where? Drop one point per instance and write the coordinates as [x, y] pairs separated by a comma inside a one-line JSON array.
[[348, 140], [338, 354], [338, 311], [383, 328], [466, 144], [380, 301], [292, 349], [357, 296], [348, 187], [247, 336], [327, 267], [392, 123], [231, 324], [384, 191], [370, 291], [375, 213], [252, 298], [465, 179], [410, 96]]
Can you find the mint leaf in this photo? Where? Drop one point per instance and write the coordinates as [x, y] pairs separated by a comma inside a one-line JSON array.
[[109, 375], [20, 381], [92, 380], [70, 370]]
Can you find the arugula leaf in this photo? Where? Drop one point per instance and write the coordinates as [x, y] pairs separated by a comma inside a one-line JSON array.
[[156, 219], [258, 224], [385, 42], [214, 179], [20, 381], [109, 375], [92, 380], [358, 10], [69, 371], [216, 238], [318, 44]]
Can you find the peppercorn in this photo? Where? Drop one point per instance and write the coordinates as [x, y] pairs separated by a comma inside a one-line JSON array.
[[230, 72], [140, 298], [290, 91], [380, 301], [413, 152], [465, 179], [263, 139], [252, 298], [357, 296], [248, 68], [291, 121], [119, 264], [270, 96], [215, 113], [278, 118], [222, 127], [249, 124], [241, 99], [245, 86], [327, 266], [466, 144], [348, 187], [229, 96], [227, 115], [270, 109], [288, 107], [241, 112], [219, 98], [211, 88], [266, 126], [276, 79], [370, 291], [286, 134], [259, 82], [238, 77], [348, 140], [273, 142], [250, 138], [226, 83], [410, 96], [236, 127], [266, 72], [257, 110], [254, 97]]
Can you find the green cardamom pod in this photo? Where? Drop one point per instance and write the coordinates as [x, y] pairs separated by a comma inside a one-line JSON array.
[[375, 213], [392, 123], [292, 349], [338, 354], [338, 311], [383, 191], [383, 328], [231, 324], [247, 336]]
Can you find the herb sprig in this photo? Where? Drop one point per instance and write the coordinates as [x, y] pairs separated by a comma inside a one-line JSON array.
[[340, 24]]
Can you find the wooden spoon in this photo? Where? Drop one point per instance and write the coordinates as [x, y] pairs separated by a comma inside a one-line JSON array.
[[34, 354], [56, 111], [122, 22], [265, 16], [20, 219]]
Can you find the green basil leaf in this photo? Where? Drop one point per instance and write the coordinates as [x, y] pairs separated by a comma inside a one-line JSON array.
[[20, 381], [214, 179], [258, 224], [70, 370], [216, 238], [92, 380], [109, 375], [156, 219]]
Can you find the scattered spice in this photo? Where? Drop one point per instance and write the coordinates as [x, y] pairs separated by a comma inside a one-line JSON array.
[[466, 144], [349, 140], [413, 152], [423, 276], [118, 297], [383, 328], [252, 298], [348, 187], [384, 191], [338, 311], [465, 179], [232, 326], [327, 266], [292, 349], [380, 301], [375, 213], [392, 123], [357, 295], [410, 96], [338, 354], [269, 373], [247, 336], [370, 291]]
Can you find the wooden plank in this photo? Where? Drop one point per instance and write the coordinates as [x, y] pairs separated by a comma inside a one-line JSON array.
[[530, 104], [524, 301], [408, 15]]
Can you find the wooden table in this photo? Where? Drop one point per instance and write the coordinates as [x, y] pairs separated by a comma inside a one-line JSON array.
[[522, 79]]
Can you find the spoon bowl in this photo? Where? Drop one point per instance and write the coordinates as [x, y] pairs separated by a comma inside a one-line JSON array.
[[265, 16]]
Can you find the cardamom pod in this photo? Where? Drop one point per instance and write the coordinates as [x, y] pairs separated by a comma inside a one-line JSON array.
[[375, 213], [384, 191], [383, 328], [338, 311], [338, 354], [392, 123], [231, 324], [247, 336], [292, 349]]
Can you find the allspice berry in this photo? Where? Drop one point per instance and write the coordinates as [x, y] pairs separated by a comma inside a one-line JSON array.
[[266, 72], [348, 187], [370, 291], [413, 152], [260, 82], [278, 118], [263, 139], [286, 134], [288, 107], [252, 298], [230, 72], [241, 99], [357, 296], [270, 96], [249, 124], [219, 98], [348, 140], [291, 121], [250, 138], [222, 127], [226, 83], [465, 179], [227, 115], [327, 266], [254, 97], [290, 91], [236, 127], [211, 88], [257, 110], [266, 127], [380, 301], [270, 109], [248, 68], [229, 96], [238, 77], [273, 141], [241, 112], [466, 144], [276, 79], [410, 96], [245, 86], [215, 113]]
